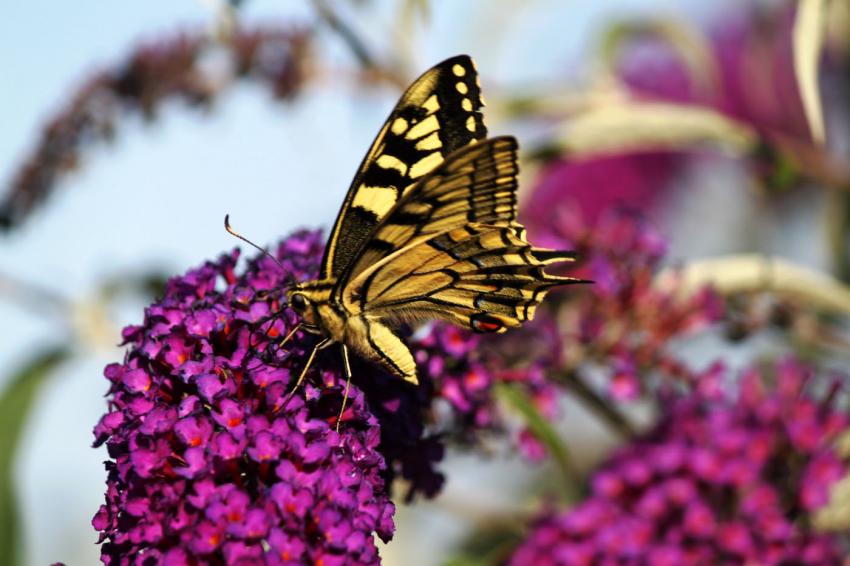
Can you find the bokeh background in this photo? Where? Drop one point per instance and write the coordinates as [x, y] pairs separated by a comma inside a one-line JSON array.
[[151, 202]]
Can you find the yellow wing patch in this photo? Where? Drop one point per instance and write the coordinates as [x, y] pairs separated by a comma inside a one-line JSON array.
[[423, 128], [378, 343], [399, 126], [378, 200]]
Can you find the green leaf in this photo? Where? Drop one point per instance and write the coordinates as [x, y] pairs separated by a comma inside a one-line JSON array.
[[809, 25], [15, 403], [835, 515], [489, 545], [516, 398], [837, 229]]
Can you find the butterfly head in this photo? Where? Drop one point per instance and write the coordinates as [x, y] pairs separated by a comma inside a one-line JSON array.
[[301, 303], [308, 299]]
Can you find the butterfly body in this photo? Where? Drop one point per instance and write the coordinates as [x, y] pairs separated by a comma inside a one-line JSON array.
[[428, 231], [367, 335]]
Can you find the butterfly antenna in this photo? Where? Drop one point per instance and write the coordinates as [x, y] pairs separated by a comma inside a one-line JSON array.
[[233, 232]]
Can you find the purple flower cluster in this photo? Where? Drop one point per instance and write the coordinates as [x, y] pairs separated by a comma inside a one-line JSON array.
[[463, 368], [623, 323], [748, 76], [207, 464], [721, 479]]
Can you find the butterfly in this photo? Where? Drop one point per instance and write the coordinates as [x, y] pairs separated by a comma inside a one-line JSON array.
[[427, 231]]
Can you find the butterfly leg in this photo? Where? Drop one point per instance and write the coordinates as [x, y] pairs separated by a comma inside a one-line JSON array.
[[347, 365], [259, 324], [289, 335], [323, 344]]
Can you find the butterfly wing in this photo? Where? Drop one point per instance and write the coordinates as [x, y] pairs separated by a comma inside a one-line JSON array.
[[381, 344], [483, 277], [451, 249], [475, 184], [438, 114]]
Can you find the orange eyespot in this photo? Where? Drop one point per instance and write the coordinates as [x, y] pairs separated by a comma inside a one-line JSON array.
[[484, 323]]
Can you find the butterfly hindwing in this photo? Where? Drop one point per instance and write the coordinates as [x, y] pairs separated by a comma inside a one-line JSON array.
[[438, 114], [482, 277], [381, 344]]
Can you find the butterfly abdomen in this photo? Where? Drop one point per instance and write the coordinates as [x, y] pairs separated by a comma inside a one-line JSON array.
[[380, 344]]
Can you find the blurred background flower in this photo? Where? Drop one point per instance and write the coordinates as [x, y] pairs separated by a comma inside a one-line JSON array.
[[732, 479], [688, 407]]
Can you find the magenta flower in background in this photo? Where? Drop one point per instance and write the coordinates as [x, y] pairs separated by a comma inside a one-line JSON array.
[[750, 79], [748, 76], [752, 54], [720, 479], [206, 465], [591, 187], [464, 368]]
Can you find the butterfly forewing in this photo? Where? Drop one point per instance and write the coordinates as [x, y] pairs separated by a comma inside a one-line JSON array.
[[438, 114]]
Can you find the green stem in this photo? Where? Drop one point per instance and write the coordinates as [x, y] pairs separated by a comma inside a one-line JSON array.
[[515, 397], [616, 420], [838, 228], [16, 401], [343, 30]]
